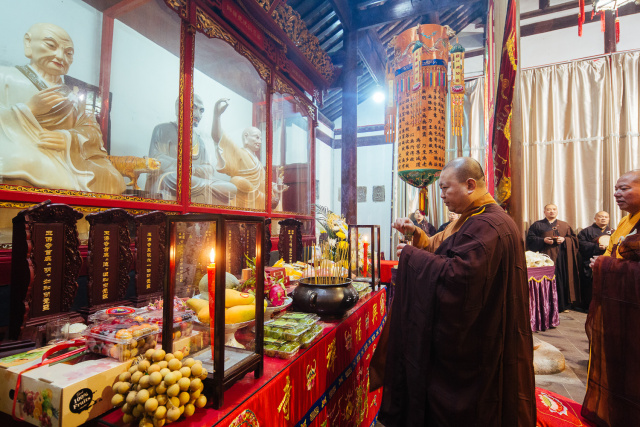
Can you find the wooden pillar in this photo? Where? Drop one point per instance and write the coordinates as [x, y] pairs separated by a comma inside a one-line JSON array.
[[350, 129], [609, 32]]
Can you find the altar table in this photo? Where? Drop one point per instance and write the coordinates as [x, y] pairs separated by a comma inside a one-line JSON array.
[[324, 385], [543, 298]]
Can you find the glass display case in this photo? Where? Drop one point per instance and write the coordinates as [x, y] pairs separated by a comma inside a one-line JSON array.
[[364, 254], [101, 134], [151, 100], [208, 256], [291, 159], [229, 153]]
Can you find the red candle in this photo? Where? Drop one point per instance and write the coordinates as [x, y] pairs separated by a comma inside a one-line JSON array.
[[211, 277], [366, 254]]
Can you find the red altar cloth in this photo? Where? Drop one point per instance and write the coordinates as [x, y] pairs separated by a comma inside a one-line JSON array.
[[325, 385], [543, 298]]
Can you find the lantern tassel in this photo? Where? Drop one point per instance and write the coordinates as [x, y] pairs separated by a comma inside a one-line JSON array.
[[581, 18], [602, 21], [423, 202], [617, 28]]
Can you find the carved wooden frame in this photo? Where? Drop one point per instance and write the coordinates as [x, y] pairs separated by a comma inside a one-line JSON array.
[[125, 257], [290, 222], [152, 218], [21, 296]]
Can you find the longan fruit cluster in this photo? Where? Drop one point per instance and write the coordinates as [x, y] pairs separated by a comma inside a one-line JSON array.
[[160, 389]]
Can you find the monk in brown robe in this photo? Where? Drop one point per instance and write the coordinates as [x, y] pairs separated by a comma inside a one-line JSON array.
[[460, 350], [613, 392], [558, 240]]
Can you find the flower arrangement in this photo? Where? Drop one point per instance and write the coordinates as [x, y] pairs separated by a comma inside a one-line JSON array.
[[330, 223]]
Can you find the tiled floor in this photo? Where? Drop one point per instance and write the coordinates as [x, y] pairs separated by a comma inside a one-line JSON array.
[[569, 337], [571, 340]]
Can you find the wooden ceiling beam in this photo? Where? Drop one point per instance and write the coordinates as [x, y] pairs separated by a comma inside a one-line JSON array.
[[344, 12], [468, 18], [395, 10], [571, 21], [550, 9], [329, 31], [328, 17], [372, 54]]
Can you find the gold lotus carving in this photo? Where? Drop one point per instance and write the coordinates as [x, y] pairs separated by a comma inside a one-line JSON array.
[[262, 68], [211, 28]]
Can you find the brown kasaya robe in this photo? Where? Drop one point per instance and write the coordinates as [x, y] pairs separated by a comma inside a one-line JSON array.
[[563, 255], [613, 388], [460, 350]]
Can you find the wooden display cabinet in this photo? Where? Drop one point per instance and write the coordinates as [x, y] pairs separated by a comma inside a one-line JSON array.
[[359, 267], [190, 239]]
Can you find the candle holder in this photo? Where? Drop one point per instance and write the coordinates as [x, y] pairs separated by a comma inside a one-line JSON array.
[[362, 268], [190, 239]]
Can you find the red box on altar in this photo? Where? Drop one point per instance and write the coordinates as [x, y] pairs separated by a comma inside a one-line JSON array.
[[277, 273], [385, 270]]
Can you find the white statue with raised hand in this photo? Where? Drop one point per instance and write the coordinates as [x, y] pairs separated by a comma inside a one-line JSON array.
[[46, 138], [242, 164]]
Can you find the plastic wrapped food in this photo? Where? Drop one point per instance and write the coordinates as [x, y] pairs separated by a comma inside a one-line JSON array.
[[122, 339], [300, 318], [111, 313], [288, 350], [285, 330], [182, 321], [310, 336]]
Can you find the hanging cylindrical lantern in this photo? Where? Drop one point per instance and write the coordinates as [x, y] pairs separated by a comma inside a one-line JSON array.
[[457, 88], [419, 72]]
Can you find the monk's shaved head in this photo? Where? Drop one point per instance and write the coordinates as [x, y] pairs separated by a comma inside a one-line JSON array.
[[627, 192], [634, 175], [461, 183], [602, 213], [550, 204], [465, 168]]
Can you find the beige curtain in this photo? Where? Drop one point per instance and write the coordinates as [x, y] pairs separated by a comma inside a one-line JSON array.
[[579, 133]]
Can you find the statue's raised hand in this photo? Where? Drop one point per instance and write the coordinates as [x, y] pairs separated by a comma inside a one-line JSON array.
[[221, 106], [43, 101]]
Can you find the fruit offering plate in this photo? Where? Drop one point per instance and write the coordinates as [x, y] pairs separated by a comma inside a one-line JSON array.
[[270, 311]]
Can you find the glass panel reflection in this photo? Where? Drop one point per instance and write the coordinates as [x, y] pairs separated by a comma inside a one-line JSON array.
[[230, 128], [291, 164]]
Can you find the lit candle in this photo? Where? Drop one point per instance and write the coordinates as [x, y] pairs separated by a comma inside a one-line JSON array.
[[366, 254], [211, 276], [211, 272]]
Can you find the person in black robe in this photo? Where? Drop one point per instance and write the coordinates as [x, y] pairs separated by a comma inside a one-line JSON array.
[[557, 239], [420, 221], [459, 349], [591, 245], [452, 217]]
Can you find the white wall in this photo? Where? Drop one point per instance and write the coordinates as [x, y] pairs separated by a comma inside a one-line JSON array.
[[325, 175], [374, 168]]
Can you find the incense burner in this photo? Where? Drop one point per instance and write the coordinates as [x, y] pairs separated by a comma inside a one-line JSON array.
[[334, 298]]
